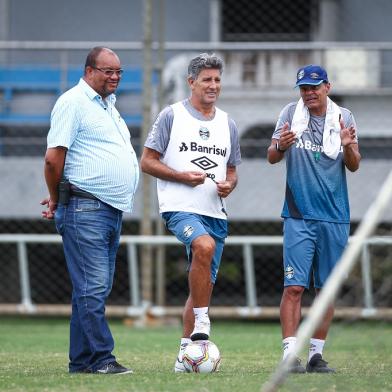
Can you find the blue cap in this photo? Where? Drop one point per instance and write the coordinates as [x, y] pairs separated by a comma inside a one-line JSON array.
[[311, 74]]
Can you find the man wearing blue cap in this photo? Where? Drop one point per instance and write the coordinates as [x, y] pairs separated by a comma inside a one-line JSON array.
[[319, 141]]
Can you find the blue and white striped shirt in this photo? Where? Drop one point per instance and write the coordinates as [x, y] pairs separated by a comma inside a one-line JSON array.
[[100, 157]]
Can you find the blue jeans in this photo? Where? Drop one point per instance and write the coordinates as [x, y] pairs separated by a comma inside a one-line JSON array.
[[91, 233]]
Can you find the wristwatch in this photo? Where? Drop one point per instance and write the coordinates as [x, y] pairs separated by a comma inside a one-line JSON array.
[[277, 148]]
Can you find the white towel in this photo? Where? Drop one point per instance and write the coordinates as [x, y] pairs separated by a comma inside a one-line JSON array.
[[331, 134]]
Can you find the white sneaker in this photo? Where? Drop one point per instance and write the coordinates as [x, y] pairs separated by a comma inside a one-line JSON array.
[[179, 366], [201, 330]]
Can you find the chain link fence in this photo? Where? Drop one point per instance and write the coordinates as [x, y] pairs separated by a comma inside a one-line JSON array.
[[263, 44]]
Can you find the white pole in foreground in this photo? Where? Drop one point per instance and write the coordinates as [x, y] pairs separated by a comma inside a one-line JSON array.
[[334, 282]]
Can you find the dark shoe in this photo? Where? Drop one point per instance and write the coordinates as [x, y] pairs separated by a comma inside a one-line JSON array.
[[318, 365], [113, 368], [296, 367], [80, 371]]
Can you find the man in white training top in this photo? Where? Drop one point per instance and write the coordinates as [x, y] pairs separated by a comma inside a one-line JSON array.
[[193, 150]]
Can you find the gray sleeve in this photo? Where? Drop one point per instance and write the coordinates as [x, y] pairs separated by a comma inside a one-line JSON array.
[[235, 154], [286, 115], [348, 120], [159, 135]]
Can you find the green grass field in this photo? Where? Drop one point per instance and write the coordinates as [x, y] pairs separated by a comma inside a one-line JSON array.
[[33, 357]]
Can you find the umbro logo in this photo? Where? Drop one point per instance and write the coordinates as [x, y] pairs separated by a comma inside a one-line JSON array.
[[204, 163]]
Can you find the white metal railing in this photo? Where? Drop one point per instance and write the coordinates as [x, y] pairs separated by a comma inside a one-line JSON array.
[[131, 242]]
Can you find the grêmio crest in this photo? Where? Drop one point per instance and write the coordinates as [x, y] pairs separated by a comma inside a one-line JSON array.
[[204, 133]]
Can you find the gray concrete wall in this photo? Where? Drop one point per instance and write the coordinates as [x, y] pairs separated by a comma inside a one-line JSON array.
[[116, 20], [186, 20], [365, 20]]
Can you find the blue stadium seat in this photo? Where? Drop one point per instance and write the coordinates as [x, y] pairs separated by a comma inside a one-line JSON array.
[[35, 80]]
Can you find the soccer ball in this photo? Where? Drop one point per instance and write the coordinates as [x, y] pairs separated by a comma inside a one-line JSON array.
[[201, 356]]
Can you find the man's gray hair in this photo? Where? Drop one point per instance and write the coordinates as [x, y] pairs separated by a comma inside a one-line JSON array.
[[203, 61]]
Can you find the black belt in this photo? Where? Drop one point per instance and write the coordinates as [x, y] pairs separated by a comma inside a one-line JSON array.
[[75, 191]]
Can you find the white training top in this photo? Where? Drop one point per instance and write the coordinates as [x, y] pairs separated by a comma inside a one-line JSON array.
[[196, 145]]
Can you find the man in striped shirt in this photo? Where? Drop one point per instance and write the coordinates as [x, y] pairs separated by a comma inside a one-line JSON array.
[[91, 172]]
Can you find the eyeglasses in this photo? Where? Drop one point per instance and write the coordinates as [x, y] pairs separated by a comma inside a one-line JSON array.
[[110, 72]]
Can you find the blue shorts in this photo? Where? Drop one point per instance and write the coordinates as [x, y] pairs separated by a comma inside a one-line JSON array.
[[311, 246], [187, 226]]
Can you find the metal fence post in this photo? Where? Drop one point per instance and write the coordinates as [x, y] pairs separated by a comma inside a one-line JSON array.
[[250, 283], [367, 281], [133, 273], [25, 292]]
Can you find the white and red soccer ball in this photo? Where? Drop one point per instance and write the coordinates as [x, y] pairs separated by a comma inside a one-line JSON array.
[[201, 356]]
